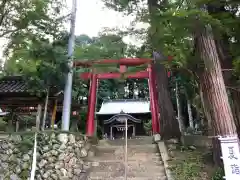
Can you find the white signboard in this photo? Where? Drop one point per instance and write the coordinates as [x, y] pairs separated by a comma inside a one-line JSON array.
[[231, 157]]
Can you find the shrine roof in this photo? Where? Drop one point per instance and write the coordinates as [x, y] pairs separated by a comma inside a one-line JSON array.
[[18, 85], [121, 117], [15, 92], [14, 84], [128, 106]]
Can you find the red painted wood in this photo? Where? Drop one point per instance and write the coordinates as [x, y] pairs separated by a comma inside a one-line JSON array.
[[116, 75], [91, 106], [123, 68], [123, 61], [154, 85], [152, 101]]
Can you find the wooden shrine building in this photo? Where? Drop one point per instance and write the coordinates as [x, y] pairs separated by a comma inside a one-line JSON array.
[[112, 114], [16, 98]]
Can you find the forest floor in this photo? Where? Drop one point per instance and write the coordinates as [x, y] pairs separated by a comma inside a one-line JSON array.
[[191, 163]]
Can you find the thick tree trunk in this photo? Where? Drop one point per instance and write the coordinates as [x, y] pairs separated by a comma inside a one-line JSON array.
[[210, 118], [225, 56], [226, 64], [213, 90], [169, 127], [179, 111], [214, 84]]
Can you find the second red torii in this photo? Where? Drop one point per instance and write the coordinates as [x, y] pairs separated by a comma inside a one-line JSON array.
[[123, 64], [116, 75]]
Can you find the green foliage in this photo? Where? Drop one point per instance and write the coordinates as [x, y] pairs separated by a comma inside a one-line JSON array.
[[24, 174], [19, 18], [189, 168], [102, 47], [236, 64], [3, 124], [172, 28], [42, 63], [25, 121], [26, 144], [34, 49], [105, 46], [121, 5], [218, 175], [148, 125]]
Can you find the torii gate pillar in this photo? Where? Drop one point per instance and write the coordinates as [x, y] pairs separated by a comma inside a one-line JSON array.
[[92, 98], [153, 101]]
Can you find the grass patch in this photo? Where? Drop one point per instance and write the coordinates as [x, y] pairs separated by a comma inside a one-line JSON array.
[[189, 164], [189, 168]]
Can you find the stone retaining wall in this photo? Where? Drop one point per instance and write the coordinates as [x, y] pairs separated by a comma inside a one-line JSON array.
[[59, 156], [197, 140]]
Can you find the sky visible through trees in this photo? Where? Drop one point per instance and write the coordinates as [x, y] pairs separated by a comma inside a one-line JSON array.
[[91, 21]]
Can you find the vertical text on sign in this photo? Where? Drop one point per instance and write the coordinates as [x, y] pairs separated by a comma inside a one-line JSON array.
[[231, 157]]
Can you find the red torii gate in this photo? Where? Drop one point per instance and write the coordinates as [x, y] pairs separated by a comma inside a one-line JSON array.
[[123, 64]]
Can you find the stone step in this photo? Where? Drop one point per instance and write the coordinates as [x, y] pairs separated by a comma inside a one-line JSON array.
[[136, 141], [131, 173], [133, 166], [131, 149], [144, 161], [98, 160], [116, 174], [137, 157], [129, 145], [129, 178]]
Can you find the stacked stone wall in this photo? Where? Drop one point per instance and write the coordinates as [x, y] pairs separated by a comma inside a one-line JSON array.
[[59, 156]]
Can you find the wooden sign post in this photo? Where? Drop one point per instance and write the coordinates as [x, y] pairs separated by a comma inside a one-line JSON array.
[[231, 157]]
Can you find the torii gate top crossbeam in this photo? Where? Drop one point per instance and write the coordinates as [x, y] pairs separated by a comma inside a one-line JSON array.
[[122, 61], [116, 75]]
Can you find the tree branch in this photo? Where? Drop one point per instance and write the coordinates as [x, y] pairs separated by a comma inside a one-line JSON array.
[[7, 32], [2, 8]]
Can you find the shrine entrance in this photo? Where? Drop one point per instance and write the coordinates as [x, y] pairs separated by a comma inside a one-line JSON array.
[[119, 131], [115, 127], [123, 64]]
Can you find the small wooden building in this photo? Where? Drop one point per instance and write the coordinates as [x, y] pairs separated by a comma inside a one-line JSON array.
[[16, 98], [112, 114]]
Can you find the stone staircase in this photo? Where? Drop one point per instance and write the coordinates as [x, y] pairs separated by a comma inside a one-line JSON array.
[[144, 161]]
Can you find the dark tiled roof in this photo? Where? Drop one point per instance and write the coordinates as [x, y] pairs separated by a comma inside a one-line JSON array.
[[12, 85]]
